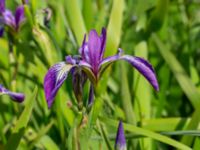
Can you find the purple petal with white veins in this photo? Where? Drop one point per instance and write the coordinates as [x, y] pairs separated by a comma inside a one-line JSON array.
[[18, 97], [19, 16], [2, 6], [9, 19], [53, 80], [144, 67], [120, 142]]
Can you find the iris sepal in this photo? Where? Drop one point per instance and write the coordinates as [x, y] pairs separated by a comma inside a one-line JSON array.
[[17, 97]]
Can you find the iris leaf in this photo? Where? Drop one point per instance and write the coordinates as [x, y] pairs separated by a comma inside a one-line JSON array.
[[22, 123], [114, 27], [147, 133]]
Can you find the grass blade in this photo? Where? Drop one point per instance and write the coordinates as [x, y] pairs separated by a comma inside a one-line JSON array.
[[147, 133], [21, 124], [114, 27]]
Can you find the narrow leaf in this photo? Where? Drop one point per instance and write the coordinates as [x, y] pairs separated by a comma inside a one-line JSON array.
[[21, 124]]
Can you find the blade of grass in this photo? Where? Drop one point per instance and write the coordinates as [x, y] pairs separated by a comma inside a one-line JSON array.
[[21, 124], [114, 27], [48, 143], [126, 96], [147, 133], [142, 101], [172, 124], [185, 83], [76, 20], [88, 13]]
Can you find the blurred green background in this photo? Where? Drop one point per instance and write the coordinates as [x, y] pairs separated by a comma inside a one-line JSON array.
[[165, 32]]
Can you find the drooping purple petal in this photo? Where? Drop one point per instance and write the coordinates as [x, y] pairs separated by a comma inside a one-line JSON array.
[[53, 80], [91, 96], [9, 19], [144, 67], [2, 6], [19, 16], [94, 45], [103, 43], [18, 97], [120, 142]]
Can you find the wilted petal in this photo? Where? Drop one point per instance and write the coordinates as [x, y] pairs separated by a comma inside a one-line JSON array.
[[9, 19], [120, 142], [53, 80], [2, 6], [91, 95], [144, 67], [18, 97], [19, 16]]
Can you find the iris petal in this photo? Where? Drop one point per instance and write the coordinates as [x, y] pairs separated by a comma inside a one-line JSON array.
[[2, 6], [53, 80], [94, 45], [9, 19], [18, 97], [143, 66], [120, 142], [19, 16]]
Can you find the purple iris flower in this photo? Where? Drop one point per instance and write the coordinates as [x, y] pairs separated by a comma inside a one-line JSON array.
[[91, 64], [18, 97], [120, 142], [7, 18]]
